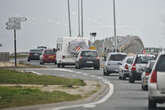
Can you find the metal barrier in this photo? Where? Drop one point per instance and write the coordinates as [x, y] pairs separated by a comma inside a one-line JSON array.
[[4, 56]]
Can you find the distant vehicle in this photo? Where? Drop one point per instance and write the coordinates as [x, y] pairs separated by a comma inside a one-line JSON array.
[[113, 62], [125, 67], [48, 56], [68, 49], [88, 58], [146, 74], [156, 83], [34, 54], [137, 68]]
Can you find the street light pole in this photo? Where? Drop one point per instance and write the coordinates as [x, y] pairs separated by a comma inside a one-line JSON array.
[[82, 26], [70, 33], [114, 17], [79, 19]]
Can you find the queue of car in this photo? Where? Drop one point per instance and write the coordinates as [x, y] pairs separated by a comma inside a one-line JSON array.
[[142, 67]]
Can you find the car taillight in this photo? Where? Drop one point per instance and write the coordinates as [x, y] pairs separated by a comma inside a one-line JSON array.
[[81, 57], [133, 67], [153, 77], [30, 54], [147, 74], [97, 57], [63, 57], [126, 66]]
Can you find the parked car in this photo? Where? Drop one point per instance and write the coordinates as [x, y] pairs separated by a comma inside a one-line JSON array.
[[156, 83], [146, 74], [87, 58], [113, 62], [124, 68], [137, 68], [34, 54], [48, 56]]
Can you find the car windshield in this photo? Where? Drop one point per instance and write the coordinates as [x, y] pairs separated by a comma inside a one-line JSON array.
[[161, 64], [36, 51], [117, 57], [89, 54], [144, 59], [49, 52]]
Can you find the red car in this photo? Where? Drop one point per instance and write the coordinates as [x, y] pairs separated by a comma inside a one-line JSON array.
[[48, 56]]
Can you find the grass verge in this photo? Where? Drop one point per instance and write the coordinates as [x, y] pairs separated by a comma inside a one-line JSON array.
[[14, 77], [16, 96]]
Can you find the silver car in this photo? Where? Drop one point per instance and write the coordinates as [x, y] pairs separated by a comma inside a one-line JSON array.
[[156, 83], [125, 67], [113, 62]]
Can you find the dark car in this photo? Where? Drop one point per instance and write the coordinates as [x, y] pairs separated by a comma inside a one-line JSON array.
[[48, 56], [87, 58], [34, 54]]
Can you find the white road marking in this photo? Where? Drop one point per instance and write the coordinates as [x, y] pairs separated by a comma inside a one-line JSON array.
[[90, 105], [36, 72], [93, 104]]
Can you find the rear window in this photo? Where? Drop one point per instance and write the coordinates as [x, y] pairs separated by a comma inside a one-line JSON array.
[[144, 59], [129, 60], [50, 52], [89, 54], [161, 64], [117, 57], [35, 51]]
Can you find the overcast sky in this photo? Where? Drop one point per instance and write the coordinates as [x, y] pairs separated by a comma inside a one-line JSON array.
[[47, 20]]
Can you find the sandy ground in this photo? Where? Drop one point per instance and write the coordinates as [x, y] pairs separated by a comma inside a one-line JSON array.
[[90, 88], [9, 64]]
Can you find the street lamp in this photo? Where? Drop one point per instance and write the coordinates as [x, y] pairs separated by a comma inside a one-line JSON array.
[[70, 33], [114, 19]]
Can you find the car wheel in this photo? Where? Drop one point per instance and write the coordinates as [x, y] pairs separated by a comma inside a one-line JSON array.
[[41, 63], [58, 65], [151, 104], [97, 68], [124, 77], [28, 59], [63, 65], [120, 77], [105, 73], [131, 79]]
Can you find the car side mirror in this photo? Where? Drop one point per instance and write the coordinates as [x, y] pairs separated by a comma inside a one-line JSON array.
[[148, 70]]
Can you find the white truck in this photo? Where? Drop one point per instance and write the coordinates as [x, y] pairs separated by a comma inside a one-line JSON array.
[[68, 48]]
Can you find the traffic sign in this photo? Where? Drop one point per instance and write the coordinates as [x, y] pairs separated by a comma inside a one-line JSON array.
[[17, 19], [13, 25]]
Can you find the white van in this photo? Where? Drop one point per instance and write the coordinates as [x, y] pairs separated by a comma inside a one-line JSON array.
[[68, 49]]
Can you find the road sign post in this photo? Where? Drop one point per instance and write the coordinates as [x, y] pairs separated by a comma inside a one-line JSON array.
[[14, 23], [15, 48]]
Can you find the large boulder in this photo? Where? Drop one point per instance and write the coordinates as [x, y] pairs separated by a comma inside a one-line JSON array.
[[127, 44]]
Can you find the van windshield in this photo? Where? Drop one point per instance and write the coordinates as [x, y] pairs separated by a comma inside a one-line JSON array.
[[161, 64], [117, 57]]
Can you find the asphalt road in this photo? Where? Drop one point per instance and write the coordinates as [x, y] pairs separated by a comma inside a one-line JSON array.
[[126, 96]]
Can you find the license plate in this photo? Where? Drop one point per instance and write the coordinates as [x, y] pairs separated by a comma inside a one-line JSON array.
[[51, 57], [89, 62]]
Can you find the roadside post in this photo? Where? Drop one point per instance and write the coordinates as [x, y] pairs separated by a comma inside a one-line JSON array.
[[14, 23]]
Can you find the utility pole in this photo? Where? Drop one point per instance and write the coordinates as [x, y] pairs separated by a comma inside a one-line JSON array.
[[82, 26], [70, 33], [79, 28], [114, 17]]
